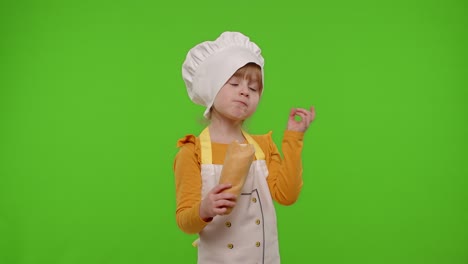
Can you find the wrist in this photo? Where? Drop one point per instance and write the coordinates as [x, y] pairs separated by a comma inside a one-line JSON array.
[[203, 215]]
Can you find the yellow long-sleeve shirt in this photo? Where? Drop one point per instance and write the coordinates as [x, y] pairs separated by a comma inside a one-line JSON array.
[[284, 178]]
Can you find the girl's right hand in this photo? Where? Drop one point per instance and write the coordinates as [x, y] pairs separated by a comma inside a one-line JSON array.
[[216, 202]]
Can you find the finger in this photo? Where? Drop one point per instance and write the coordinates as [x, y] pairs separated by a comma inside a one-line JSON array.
[[224, 203], [309, 115], [302, 110], [220, 211], [303, 116], [225, 196], [221, 187], [312, 111]]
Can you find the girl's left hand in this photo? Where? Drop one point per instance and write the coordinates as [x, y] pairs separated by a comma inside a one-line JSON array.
[[307, 117]]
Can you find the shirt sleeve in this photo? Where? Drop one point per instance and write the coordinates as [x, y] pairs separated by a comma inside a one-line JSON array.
[[285, 173], [188, 187]]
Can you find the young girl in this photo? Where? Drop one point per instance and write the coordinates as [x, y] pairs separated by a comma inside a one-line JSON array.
[[226, 76]]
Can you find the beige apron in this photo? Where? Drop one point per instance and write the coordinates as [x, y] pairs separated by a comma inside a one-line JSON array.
[[249, 233]]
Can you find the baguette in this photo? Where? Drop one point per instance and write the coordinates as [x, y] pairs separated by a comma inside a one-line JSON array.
[[236, 167]]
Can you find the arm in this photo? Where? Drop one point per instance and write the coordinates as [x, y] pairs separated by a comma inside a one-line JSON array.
[[285, 174], [192, 213], [188, 188]]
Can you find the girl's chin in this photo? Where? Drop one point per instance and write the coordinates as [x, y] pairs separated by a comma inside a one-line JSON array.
[[237, 118], [241, 115], [236, 114]]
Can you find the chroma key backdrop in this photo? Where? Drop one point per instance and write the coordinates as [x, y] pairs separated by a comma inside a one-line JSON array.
[[92, 103]]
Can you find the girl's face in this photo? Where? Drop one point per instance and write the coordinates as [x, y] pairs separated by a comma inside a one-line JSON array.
[[238, 98]]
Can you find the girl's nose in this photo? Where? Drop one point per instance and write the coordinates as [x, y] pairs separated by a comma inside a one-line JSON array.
[[244, 91]]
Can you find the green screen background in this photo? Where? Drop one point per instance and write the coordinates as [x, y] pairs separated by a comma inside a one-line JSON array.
[[92, 103]]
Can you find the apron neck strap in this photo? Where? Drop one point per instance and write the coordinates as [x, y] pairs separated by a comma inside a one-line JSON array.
[[206, 153]]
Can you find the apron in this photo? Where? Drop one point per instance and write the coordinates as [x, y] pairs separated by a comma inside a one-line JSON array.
[[248, 234]]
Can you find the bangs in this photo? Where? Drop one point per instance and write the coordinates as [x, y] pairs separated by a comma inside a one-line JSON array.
[[250, 72]]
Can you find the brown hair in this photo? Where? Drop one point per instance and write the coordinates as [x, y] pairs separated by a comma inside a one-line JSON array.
[[251, 72]]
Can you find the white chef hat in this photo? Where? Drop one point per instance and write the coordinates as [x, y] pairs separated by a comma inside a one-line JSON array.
[[210, 64]]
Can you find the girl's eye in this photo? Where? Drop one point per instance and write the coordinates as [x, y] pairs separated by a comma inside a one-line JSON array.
[[234, 84], [253, 89]]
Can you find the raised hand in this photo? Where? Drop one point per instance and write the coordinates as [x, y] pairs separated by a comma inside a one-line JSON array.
[[307, 117], [216, 202]]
